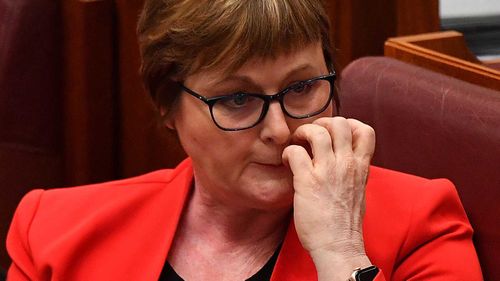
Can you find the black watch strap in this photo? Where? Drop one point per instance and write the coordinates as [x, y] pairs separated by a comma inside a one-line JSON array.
[[364, 274]]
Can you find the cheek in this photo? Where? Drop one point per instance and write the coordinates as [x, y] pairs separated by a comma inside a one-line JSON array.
[[293, 124], [329, 112], [214, 149]]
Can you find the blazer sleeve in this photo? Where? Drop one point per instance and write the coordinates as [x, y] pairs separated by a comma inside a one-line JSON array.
[[438, 244], [18, 247]]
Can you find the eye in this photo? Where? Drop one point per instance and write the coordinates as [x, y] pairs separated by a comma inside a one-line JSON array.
[[240, 99], [237, 100], [302, 87]]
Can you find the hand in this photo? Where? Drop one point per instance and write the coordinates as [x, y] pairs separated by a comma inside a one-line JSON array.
[[329, 200]]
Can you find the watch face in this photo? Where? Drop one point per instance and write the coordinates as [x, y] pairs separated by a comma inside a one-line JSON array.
[[367, 274]]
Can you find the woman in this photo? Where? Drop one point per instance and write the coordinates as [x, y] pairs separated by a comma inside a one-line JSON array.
[[274, 188]]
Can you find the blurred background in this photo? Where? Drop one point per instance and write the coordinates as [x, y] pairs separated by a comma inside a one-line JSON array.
[[478, 20]]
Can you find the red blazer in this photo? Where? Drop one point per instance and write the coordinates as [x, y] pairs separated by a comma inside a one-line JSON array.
[[414, 229]]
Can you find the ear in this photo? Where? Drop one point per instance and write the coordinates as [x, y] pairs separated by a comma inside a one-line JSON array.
[[169, 123], [168, 119]]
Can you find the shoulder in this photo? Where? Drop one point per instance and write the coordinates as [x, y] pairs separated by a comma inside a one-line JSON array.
[[158, 178], [382, 176], [397, 187], [412, 220], [138, 186], [402, 199], [50, 226], [68, 207]]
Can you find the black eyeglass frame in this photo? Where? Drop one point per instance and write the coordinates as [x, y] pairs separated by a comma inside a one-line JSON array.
[[269, 98]]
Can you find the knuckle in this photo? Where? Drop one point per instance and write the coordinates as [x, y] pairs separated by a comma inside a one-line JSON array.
[[338, 119], [321, 132], [369, 131], [321, 120]]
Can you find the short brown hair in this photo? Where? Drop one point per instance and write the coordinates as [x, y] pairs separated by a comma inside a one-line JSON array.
[[181, 37]]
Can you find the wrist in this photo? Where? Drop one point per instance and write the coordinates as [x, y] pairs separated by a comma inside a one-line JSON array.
[[338, 266]]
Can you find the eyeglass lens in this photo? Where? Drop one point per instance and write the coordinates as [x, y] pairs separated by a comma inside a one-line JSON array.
[[243, 110]]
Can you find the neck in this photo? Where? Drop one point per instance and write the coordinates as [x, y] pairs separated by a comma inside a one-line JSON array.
[[223, 240], [227, 227]]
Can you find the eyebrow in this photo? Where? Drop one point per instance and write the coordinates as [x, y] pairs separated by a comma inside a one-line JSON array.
[[247, 80]]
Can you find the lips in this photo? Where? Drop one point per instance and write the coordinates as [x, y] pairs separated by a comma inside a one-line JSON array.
[[271, 165], [268, 162], [268, 158]]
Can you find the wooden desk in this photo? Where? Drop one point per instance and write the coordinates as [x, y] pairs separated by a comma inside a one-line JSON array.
[[445, 52]]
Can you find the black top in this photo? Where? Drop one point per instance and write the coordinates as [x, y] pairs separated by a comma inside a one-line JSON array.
[[264, 274], [3, 274]]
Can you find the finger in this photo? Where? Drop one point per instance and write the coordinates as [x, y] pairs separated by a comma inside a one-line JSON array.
[[363, 139], [319, 139], [340, 132], [297, 158]]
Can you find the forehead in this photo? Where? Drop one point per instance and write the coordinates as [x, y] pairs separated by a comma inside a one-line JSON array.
[[311, 54], [307, 59]]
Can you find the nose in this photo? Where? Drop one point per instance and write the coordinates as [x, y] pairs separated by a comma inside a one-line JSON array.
[[274, 126]]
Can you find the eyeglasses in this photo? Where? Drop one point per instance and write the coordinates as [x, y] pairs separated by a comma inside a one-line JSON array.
[[240, 110]]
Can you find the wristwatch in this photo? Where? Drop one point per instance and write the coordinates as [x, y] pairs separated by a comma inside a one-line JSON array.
[[364, 274]]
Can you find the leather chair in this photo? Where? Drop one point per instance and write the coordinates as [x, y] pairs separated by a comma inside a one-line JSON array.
[[434, 126]]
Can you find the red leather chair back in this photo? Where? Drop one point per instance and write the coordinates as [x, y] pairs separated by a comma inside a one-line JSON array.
[[433, 125]]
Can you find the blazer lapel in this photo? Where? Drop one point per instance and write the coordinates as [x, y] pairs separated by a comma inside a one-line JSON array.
[[294, 263], [168, 213]]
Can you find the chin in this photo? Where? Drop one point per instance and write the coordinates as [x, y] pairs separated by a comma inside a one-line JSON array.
[[272, 194], [267, 187]]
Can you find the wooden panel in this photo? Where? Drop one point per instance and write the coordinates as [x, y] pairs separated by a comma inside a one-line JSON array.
[[410, 49], [88, 90], [144, 146], [360, 28], [416, 16]]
